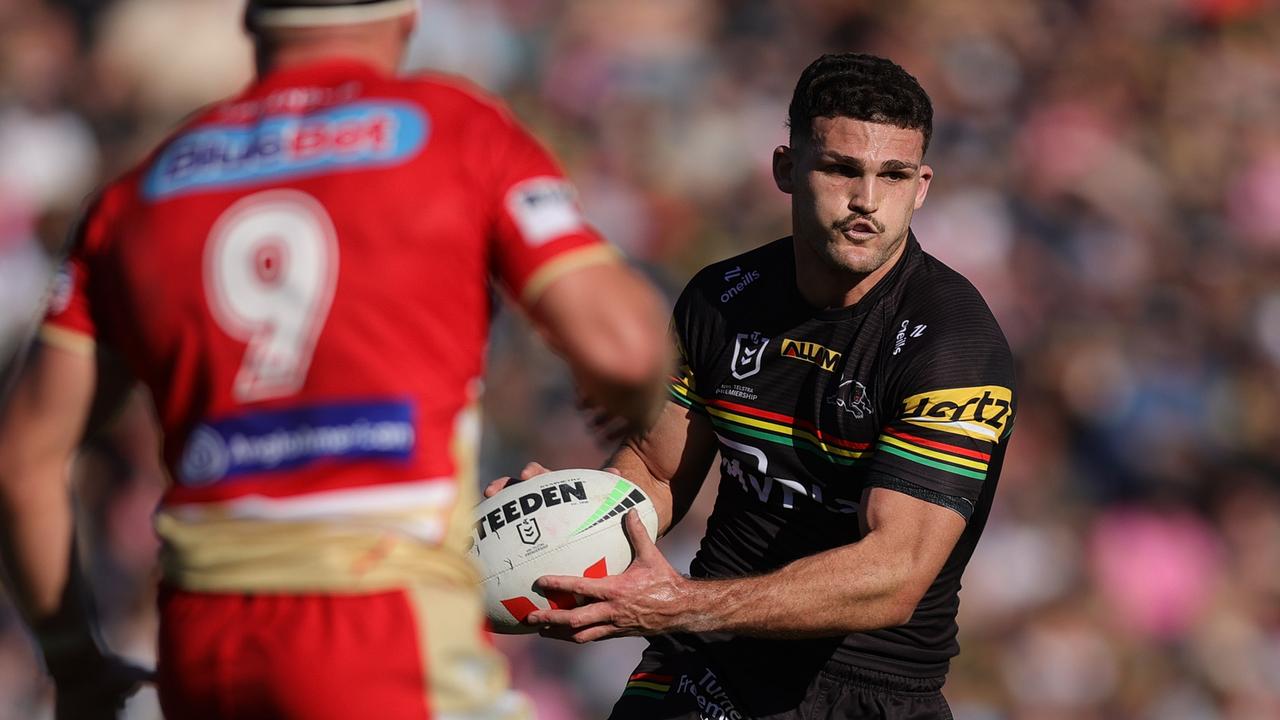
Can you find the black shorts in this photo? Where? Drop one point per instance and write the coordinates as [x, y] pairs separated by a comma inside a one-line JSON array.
[[681, 684]]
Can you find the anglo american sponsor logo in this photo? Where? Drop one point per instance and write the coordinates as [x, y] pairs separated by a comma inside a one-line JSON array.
[[740, 282], [272, 441], [527, 504], [983, 412], [810, 352], [287, 146]]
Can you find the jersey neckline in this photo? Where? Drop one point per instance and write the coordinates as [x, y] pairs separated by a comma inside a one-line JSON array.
[[865, 303], [320, 71]]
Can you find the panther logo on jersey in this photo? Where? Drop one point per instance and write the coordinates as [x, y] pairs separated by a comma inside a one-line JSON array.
[[852, 398], [748, 351]]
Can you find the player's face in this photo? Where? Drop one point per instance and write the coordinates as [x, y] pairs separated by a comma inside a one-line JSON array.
[[854, 186]]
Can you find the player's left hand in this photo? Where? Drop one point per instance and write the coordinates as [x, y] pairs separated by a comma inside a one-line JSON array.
[[643, 600]]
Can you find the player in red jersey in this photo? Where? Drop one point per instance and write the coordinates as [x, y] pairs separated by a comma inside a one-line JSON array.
[[300, 276]]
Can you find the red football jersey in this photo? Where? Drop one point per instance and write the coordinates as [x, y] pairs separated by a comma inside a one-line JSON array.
[[300, 275]]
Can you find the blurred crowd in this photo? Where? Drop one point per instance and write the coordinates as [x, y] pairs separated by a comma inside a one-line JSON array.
[[1108, 175]]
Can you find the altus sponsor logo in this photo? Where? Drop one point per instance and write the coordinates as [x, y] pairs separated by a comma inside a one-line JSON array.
[[811, 352], [740, 282]]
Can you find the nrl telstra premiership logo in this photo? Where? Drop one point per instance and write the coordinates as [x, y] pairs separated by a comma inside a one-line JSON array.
[[748, 351]]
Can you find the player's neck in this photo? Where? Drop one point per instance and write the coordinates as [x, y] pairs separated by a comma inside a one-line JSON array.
[[293, 55], [827, 288]]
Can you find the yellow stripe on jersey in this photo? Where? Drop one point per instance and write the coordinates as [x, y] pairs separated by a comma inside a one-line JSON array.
[[921, 450], [784, 430]]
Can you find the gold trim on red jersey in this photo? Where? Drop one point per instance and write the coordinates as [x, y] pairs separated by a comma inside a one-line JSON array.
[[563, 264], [66, 339]]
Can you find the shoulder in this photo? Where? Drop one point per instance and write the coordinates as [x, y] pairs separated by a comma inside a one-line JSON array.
[[943, 330], [102, 209], [739, 279], [934, 293], [451, 92]]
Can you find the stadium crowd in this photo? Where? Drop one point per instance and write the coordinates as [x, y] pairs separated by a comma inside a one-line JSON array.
[[1108, 175]]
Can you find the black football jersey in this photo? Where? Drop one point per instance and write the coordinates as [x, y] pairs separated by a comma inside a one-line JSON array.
[[910, 389]]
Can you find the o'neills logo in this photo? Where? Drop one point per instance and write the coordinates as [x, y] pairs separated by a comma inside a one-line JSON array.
[[529, 504], [740, 282], [810, 352]]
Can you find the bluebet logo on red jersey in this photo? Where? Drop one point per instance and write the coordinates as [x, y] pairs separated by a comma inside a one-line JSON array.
[[279, 147]]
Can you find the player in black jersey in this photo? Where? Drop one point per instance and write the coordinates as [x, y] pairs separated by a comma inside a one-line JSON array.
[[860, 396]]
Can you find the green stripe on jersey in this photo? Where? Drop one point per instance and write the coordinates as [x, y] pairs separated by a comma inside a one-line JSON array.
[[783, 440], [931, 463]]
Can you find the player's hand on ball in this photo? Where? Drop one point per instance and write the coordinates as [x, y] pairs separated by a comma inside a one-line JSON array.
[[532, 470], [643, 600]]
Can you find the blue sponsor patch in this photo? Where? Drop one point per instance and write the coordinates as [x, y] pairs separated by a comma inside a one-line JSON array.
[[276, 440], [281, 147]]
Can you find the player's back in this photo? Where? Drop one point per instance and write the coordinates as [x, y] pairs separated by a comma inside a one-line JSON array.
[[299, 275]]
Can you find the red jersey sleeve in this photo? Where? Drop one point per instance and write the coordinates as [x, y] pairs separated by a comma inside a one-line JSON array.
[[69, 321], [540, 232]]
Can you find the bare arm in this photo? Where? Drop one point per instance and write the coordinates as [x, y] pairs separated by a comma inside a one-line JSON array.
[[608, 324], [59, 394], [40, 428], [873, 583], [669, 462]]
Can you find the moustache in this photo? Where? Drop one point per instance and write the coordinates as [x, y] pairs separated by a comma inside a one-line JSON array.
[[852, 220]]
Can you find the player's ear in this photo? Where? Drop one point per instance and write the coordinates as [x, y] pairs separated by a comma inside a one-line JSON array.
[[922, 190], [783, 166]]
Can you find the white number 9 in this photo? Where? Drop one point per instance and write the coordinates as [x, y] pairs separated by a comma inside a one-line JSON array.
[[270, 268]]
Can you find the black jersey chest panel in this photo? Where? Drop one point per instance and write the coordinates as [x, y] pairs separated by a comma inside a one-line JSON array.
[[797, 397], [797, 406]]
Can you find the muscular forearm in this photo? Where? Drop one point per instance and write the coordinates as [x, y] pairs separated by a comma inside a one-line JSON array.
[[857, 587], [631, 466], [669, 462]]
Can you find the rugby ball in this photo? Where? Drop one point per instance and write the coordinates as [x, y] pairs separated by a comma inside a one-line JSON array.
[[565, 522]]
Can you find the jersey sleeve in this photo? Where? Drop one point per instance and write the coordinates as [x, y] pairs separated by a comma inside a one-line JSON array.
[[954, 413], [69, 320], [540, 232], [688, 331]]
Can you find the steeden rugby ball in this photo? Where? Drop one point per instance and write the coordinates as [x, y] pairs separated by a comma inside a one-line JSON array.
[[565, 522]]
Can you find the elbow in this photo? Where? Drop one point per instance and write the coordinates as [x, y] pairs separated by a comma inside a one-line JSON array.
[[899, 609], [900, 604]]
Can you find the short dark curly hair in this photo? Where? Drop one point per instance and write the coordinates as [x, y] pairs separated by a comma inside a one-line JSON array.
[[862, 87]]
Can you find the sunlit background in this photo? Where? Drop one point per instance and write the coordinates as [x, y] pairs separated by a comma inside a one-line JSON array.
[[1108, 175]]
